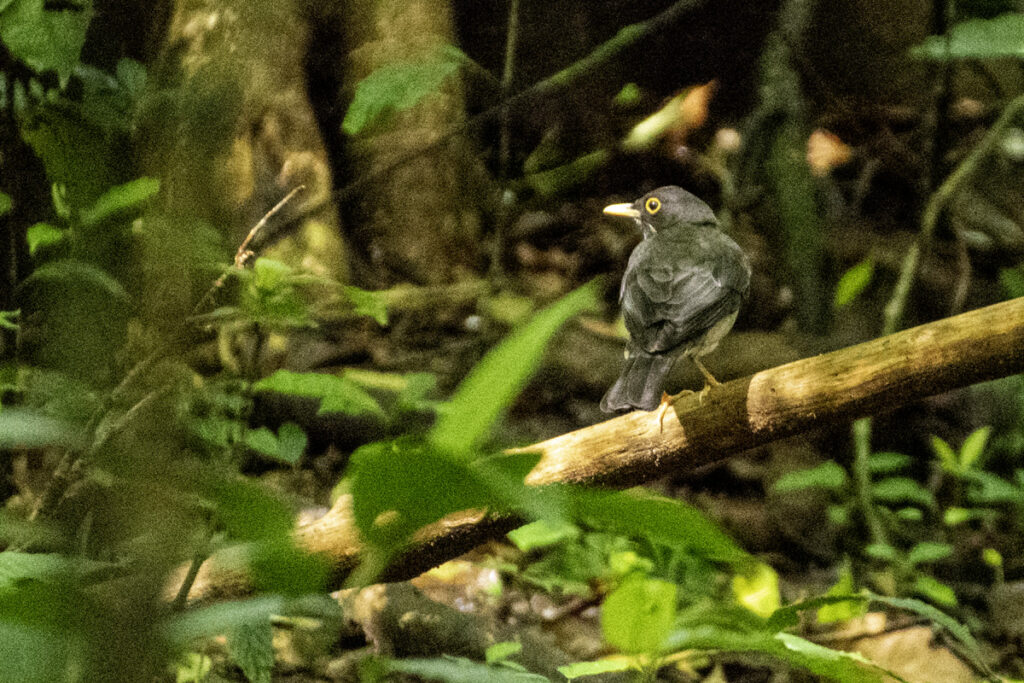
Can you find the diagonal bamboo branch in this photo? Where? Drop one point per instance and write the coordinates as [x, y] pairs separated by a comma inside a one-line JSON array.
[[877, 375]]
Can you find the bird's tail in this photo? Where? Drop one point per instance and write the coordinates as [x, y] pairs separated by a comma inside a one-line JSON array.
[[639, 385]]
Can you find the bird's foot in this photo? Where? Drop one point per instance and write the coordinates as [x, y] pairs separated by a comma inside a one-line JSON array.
[[666, 402]]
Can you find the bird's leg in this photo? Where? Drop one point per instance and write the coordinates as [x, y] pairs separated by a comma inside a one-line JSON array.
[[667, 400], [709, 379]]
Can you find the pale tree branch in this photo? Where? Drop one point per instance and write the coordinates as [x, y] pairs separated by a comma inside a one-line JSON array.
[[881, 374]]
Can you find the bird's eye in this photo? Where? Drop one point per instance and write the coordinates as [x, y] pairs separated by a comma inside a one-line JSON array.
[[653, 205]]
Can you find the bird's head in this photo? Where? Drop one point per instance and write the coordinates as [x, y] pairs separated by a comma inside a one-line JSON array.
[[664, 207]]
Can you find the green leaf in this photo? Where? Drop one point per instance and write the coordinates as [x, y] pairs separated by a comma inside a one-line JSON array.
[[971, 648], [1012, 280], [847, 609], [262, 440], [887, 462], [660, 520], [251, 647], [5, 203], [41, 235], [401, 86], [882, 551], [9, 320], [928, 551], [637, 616], [214, 620], [1001, 36], [902, 490], [973, 447], [828, 475], [370, 304], [500, 376], [249, 511], [910, 514], [499, 651], [44, 39], [989, 489], [835, 665], [601, 666], [336, 394], [946, 455], [934, 590], [952, 516], [757, 589], [460, 670], [119, 198], [78, 273], [292, 442], [27, 428], [788, 616], [542, 533], [853, 282]]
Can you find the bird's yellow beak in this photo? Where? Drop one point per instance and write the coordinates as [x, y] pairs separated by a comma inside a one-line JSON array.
[[627, 210]]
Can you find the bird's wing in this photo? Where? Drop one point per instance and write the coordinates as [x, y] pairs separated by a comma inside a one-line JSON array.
[[669, 298]]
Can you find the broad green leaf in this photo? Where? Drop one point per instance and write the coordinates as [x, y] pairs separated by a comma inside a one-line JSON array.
[[992, 558], [928, 551], [1001, 36], [193, 668], [542, 533], [42, 235], [902, 490], [853, 282], [337, 394], [834, 665], [28, 428], [757, 589], [935, 590], [499, 651], [788, 616], [637, 616], [397, 87], [5, 203], [45, 39], [78, 273], [660, 520], [278, 566], [882, 551], [496, 380], [251, 647], [263, 441], [828, 475], [952, 516], [887, 462], [460, 670], [292, 442], [600, 666], [188, 627], [249, 511], [946, 455], [847, 609], [119, 198], [368, 303], [973, 447], [989, 489]]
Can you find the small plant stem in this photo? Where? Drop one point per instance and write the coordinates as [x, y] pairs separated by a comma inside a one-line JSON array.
[[181, 599], [862, 480], [503, 214]]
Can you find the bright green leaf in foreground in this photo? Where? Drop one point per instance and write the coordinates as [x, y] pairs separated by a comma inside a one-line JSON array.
[[41, 235], [637, 616], [397, 87], [460, 670], [601, 666], [42, 38], [119, 198], [501, 375], [757, 589], [1001, 36], [336, 394]]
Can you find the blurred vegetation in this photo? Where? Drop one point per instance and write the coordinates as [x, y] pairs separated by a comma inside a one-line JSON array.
[[431, 296]]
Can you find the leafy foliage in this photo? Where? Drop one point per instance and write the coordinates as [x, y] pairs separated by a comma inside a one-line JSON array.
[[397, 87], [1001, 36], [45, 39]]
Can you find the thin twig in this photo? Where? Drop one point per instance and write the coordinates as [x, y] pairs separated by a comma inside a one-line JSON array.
[[244, 254]]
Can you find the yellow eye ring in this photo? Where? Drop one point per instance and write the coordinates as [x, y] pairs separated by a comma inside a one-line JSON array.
[[653, 205]]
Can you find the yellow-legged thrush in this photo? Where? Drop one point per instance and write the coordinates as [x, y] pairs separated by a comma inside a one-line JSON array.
[[680, 293]]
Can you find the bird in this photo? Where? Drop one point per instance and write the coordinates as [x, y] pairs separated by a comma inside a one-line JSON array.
[[680, 294]]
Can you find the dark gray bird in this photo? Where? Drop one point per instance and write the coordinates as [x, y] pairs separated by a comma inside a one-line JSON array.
[[680, 293]]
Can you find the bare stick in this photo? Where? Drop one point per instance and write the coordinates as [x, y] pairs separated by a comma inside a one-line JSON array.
[[244, 254]]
